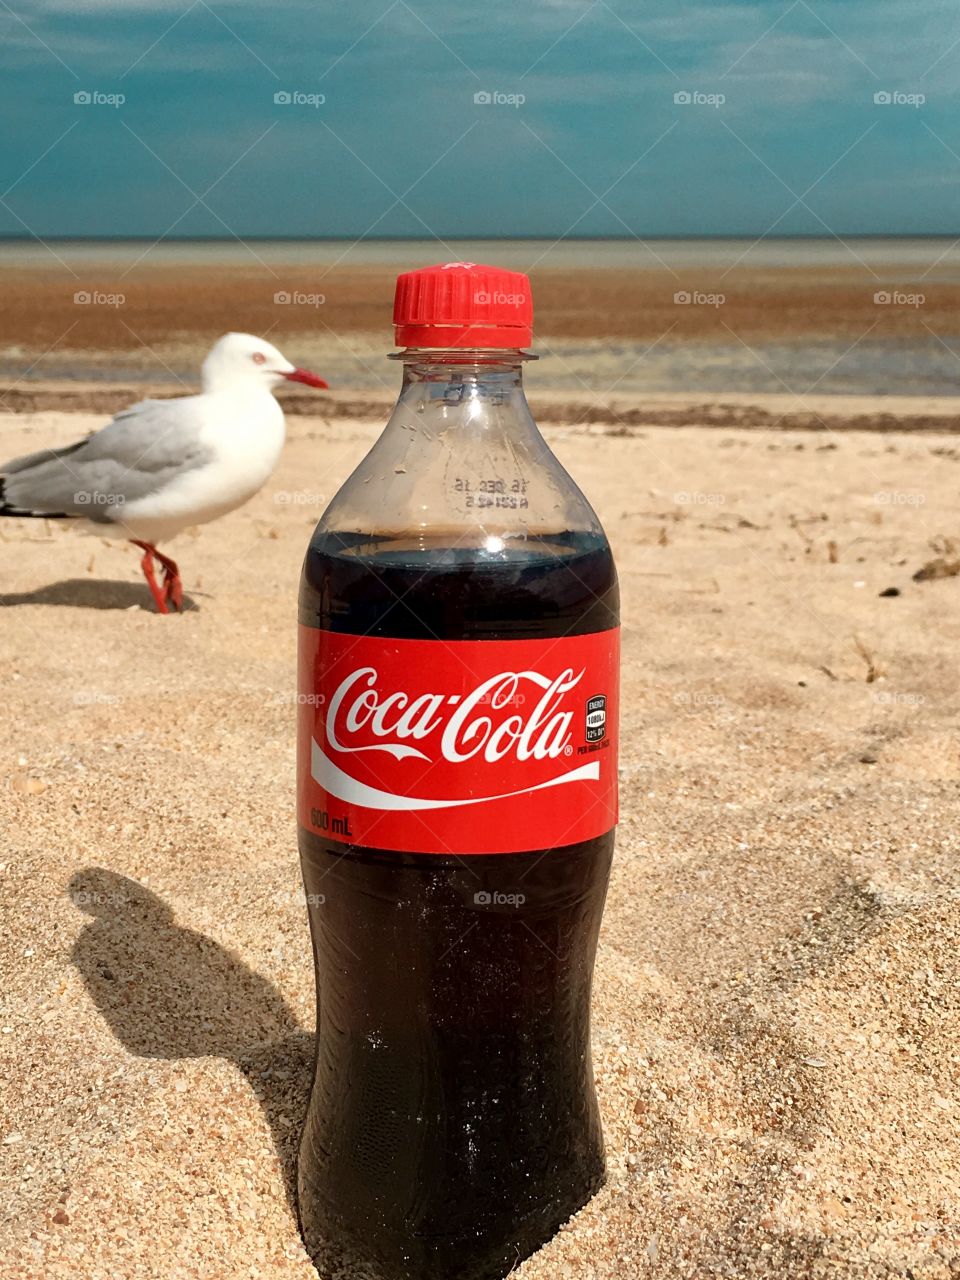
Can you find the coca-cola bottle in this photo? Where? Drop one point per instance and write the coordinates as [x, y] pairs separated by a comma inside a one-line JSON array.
[[457, 783]]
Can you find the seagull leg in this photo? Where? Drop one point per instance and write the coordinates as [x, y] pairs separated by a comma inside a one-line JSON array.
[[172, 586], [146, 564]]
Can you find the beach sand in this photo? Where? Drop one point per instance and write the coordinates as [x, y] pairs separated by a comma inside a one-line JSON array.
[[174, 309], [873, 319], [777, 994]]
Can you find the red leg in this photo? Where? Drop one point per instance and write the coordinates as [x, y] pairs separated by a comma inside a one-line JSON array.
[[172, 586], [146, 564]]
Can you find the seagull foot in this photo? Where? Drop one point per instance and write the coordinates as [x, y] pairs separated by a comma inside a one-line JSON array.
[[172, 586], [171, 592]]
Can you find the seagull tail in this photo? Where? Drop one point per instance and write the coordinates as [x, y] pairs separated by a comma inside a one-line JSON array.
[[8, 509], [20, 467]]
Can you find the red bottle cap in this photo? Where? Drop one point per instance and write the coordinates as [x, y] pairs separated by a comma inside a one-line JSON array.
[[463, 304]]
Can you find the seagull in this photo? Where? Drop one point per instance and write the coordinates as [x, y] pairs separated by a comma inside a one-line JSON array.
[[162, 465]]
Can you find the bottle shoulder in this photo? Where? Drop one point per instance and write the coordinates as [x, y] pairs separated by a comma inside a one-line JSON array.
[[476, 465], [460, 521]]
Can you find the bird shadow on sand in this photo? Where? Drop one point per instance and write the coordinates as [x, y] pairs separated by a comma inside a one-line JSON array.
[[89, 593], [170, 992]]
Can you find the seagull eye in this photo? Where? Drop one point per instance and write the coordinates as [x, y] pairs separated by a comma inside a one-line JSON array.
[[258, 358]]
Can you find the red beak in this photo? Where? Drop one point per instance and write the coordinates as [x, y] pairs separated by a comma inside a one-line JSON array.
[[308, 378]]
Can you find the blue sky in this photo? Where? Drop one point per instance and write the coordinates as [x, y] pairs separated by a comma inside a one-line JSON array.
[[400, 147]]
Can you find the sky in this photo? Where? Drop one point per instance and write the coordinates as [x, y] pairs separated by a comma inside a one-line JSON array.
[[385, 118]]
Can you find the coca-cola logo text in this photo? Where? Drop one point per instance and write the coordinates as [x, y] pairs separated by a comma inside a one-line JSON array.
[[363, 717]]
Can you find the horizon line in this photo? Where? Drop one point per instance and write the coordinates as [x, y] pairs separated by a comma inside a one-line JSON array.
[[465, 239]]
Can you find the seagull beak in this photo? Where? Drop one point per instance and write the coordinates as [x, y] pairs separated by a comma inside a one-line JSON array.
[[308, 378]]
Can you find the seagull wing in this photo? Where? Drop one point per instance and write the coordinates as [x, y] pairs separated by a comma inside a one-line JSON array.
[[144, 448]]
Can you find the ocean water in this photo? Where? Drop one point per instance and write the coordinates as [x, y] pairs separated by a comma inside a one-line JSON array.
[[924, 364], [913, 257]]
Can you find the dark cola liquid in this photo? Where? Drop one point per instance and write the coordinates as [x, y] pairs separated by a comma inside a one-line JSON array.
[[453, 1124]]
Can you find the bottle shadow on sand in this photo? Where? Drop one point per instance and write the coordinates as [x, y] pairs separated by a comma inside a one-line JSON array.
[[170, 992]]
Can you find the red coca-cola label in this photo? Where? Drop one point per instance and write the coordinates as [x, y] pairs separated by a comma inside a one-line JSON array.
[[463, 746]]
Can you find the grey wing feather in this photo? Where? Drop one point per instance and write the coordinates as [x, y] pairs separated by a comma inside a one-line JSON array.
[[143, 449]]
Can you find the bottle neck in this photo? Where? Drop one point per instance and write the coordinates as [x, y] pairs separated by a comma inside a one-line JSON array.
[[433, 365], [455, 377]]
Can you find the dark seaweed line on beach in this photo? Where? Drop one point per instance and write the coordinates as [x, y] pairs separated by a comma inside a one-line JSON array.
[[623, 419]]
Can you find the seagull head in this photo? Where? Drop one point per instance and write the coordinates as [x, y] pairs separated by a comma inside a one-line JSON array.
[[239, 361]]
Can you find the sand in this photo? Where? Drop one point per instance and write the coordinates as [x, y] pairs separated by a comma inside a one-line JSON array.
[[776, 1005], [170, 310]]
